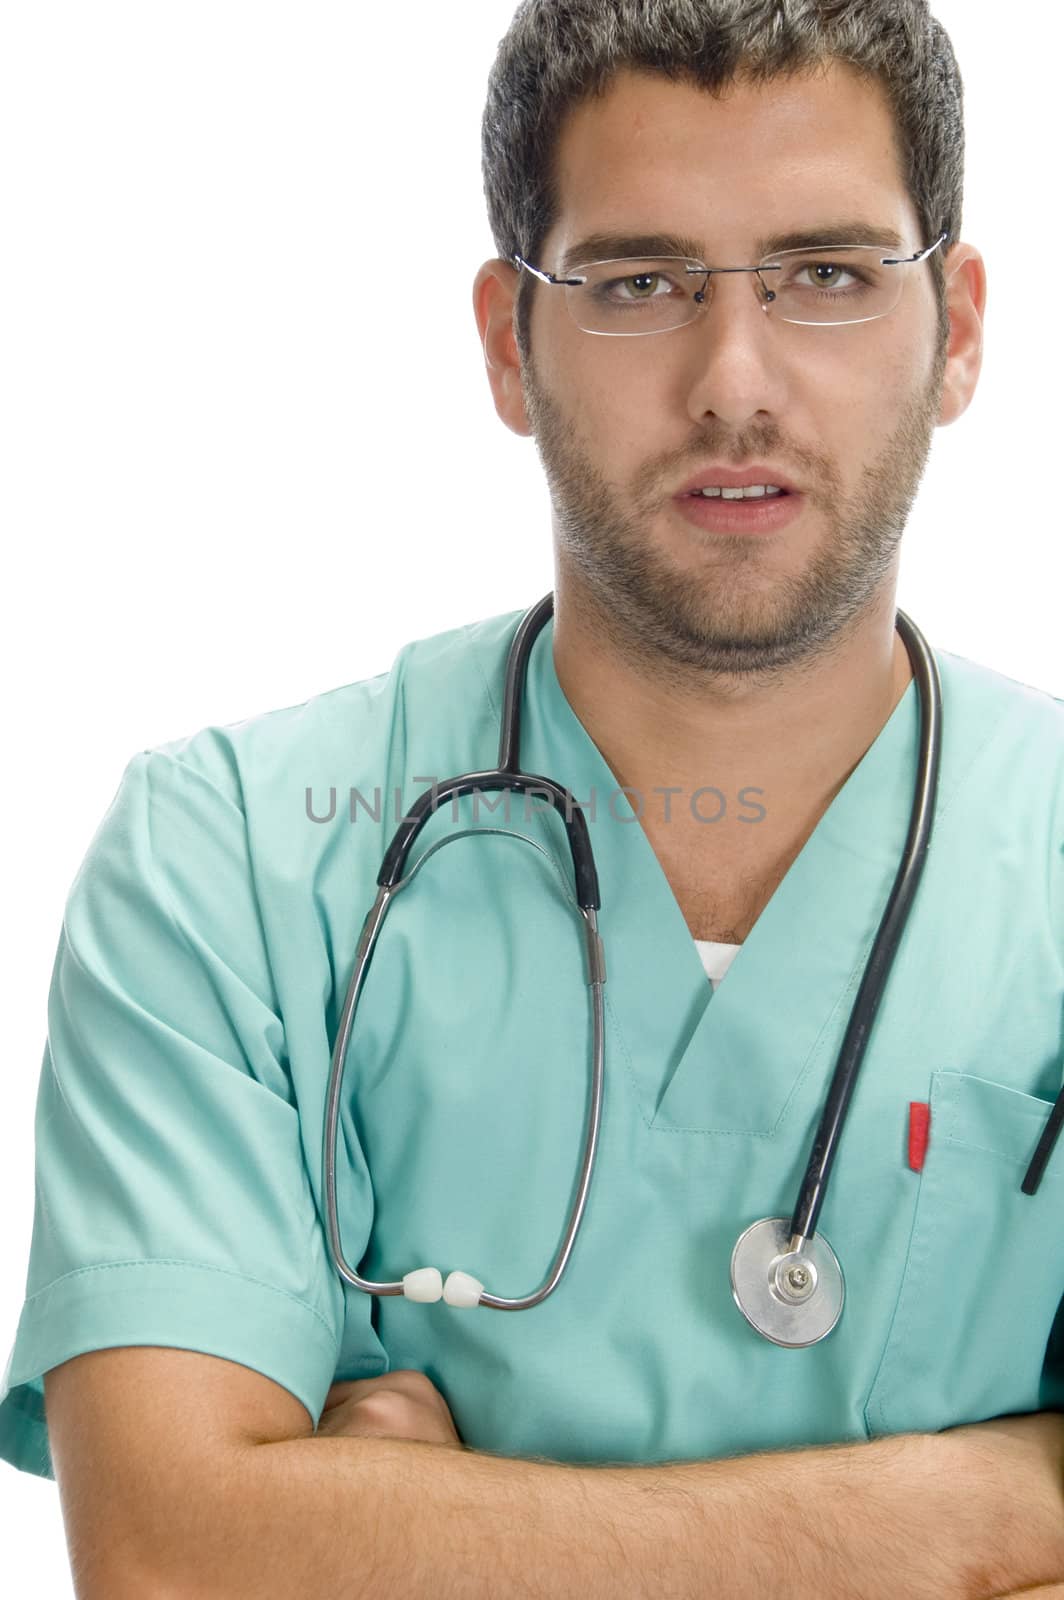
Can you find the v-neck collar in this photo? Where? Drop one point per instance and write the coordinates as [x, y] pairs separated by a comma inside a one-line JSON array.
[[726, 1061]]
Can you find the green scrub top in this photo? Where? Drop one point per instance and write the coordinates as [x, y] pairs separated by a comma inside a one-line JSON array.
[[205, 952]]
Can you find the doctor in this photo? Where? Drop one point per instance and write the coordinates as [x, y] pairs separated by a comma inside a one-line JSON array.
[[732, 457]]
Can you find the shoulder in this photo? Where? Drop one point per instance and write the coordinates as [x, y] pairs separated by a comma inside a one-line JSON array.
[[1006, 744], [332, 732], [1002, 721]]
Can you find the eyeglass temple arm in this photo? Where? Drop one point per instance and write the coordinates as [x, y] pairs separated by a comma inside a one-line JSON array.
[[545, 277], [921, 255]]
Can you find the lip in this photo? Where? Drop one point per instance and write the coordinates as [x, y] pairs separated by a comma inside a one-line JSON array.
[[736, 478], [740, 516]]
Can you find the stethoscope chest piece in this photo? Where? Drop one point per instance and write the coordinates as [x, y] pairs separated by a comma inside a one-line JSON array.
[[793, 1298]]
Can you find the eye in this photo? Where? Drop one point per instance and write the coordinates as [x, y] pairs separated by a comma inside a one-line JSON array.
[[828, 274], [644, 284]]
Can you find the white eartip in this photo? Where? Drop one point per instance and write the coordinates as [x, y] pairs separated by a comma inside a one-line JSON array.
[[462, 1290], [426, 1284]]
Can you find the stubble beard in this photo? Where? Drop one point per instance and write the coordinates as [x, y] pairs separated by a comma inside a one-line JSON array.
[[729, 613]]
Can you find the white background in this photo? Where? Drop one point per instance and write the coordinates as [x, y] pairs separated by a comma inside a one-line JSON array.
[[243, 463]]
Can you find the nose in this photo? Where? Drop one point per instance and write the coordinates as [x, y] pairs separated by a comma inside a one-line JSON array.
[[736, 367]]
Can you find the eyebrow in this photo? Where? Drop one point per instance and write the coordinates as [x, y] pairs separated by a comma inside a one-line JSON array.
[[614, 246]]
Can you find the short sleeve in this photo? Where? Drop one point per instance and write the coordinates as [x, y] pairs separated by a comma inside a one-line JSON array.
[[172, 1201], [1051, 1394]]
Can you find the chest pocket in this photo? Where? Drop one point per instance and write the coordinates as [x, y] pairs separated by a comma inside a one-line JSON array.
[[984, 1275]]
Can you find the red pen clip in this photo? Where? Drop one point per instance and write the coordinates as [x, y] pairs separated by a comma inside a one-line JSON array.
[[919, 1132]]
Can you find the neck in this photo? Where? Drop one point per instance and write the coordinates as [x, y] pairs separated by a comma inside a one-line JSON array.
[[793, 741]]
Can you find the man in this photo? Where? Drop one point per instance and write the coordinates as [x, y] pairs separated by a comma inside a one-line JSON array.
[[731, 669]]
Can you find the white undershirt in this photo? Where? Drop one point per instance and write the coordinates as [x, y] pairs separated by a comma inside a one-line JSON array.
[[716, 958]]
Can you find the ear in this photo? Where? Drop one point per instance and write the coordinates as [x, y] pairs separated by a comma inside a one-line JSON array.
[[494, 293], [966, 303]]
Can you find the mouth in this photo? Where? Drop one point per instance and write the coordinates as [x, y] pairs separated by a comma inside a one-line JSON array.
[[753, 491], [760, 508], [756, 480]]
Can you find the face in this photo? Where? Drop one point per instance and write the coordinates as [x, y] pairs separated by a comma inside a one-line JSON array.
[[845, 413]]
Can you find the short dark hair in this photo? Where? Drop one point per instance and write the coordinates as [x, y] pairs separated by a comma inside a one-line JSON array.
[[557, 53]]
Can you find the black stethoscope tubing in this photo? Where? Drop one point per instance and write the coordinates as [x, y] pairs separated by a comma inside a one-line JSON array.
[[507, 774], [888, 935]]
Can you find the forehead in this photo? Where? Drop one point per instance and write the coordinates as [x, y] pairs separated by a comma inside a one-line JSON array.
[[666, 154]]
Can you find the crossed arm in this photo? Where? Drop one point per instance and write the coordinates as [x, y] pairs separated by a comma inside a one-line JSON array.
[[386, 1501]]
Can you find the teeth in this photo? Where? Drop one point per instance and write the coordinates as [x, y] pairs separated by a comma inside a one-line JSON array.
[[755, 491]]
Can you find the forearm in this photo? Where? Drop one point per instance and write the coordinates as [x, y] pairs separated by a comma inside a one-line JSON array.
[[353, 1517], [1041, 1591]]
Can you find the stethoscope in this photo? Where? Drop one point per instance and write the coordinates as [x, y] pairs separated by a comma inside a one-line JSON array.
[[785, 1277]]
